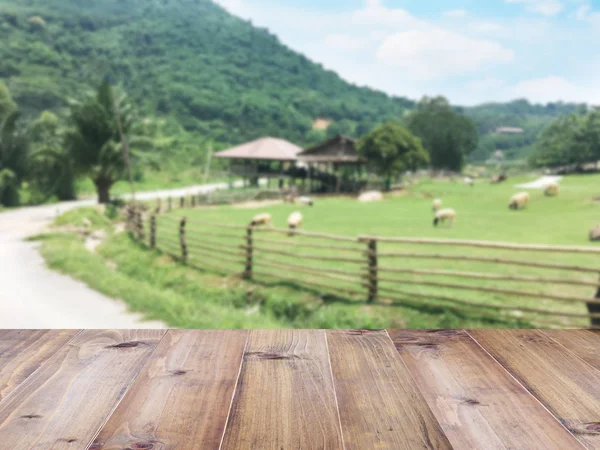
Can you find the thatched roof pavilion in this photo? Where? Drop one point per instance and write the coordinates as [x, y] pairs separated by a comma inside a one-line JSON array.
[[265, 149]]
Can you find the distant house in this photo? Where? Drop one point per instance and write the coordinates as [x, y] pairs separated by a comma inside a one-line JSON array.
[[509, 130], [321, 124]]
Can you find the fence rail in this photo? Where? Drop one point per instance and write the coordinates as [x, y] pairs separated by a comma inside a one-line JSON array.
[[371, 269]]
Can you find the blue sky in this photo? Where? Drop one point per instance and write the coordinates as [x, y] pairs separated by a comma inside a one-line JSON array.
[[470, 51]]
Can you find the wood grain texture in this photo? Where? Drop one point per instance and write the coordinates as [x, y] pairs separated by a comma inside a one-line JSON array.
[[285, 397], [563, 382], [584, 343], [181, 398], [477, 402], [22, 352], [380, 404], [64, 403]]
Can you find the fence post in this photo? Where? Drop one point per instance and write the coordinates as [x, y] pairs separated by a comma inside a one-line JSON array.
[[140, 226], [193, 200], [130, 218], [372, 246], [249, 249], [158, 205], [169, 204], [594, 309], [184, 252], [182, 202], [153, 231]]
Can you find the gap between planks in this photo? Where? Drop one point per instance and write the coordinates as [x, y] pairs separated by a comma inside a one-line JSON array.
[[523, 385], [337, 404], [237, 380], [42, 364]]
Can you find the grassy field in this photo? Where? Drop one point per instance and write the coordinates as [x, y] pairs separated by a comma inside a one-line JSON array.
[[213, 295]]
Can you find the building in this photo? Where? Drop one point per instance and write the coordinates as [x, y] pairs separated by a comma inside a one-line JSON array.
[[263, 158], [509, 130], [334, 165]]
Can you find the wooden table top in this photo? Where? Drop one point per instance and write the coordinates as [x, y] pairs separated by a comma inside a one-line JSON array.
[[299, 389]]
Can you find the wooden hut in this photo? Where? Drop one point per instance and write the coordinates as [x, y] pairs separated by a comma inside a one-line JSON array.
[[263, 158], [336, 163]]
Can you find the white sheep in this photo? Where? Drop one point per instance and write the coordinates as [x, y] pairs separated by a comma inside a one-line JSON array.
[[373, 196], [469, 181], [306, 201], [444, 215], [294, 221], [261, 219], [519, 200], [551, 190], [437, 204]]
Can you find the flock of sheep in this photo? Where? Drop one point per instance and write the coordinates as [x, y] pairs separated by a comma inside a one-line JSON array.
[[445, 215], [517, 201], [295, 219]]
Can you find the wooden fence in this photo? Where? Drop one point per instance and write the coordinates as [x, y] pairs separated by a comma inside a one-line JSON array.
[[549, 286]]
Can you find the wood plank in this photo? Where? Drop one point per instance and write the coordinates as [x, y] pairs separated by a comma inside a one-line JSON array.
[[477, 402], [22, 352], [564, 383], [66, 401], [584, 343], [285, 397], [181, 398], [380, 404]]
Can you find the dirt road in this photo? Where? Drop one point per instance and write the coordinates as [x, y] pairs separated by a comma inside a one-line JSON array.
[[33, 296]]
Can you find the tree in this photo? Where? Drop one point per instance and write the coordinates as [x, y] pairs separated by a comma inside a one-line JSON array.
[[391, 149], [13, 150], [50, 170], [94, 142], [448, 136], [572, 140]]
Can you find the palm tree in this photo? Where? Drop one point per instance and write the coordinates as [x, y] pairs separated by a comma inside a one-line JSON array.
[[94, 143]]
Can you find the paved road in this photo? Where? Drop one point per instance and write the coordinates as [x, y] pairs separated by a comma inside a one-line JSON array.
[[33, 296]]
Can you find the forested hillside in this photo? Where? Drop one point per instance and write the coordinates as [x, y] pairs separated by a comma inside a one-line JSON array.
[[519, 113], [183, 59], [194, 71]]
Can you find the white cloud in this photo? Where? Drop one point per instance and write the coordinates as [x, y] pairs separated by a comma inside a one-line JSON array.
[[554, 88], [486, 84], [437, 52], [374, 13], [456, 13], [585, 14], [485, 27], [233, 6], [582, 12], [544, 7], [344, 41]]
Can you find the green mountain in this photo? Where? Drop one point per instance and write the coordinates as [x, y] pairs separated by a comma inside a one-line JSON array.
[[517, 114], [184, 59], [196, 71]]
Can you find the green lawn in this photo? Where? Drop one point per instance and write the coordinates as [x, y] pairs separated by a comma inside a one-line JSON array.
[[213, 295], [483, 214]]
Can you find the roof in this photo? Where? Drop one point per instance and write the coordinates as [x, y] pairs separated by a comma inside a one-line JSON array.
[[266, 148], [337, 149]]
